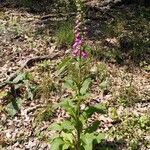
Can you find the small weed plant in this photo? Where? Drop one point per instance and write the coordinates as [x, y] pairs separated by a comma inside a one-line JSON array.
[[21, 86], [129, 124], [74, 133], [64, 34]]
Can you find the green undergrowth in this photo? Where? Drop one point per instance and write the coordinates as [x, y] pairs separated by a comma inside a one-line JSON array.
[[127, 31], [133, 130], [64, 34], [128, 129]]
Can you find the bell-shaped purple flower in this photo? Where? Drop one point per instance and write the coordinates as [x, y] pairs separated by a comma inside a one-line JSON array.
[[84, 54], [75, 52]]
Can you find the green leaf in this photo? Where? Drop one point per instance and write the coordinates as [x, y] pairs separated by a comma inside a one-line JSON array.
[[55, 126], [3, 94], [99, 137], [101, 108], [87, 141], [29, 89], [62, 66], [64, 126], [52, 138], [67, 137], [85, 86], [2, 84], [57, 143], [17, 86], [104, 85], [93, 127], [30, 95], [66, 146], [67, 125], [68, 106], [19, 77], [83, 117], [98, 108], [147, 68], [7, 82], [13, 107], [69, 84]]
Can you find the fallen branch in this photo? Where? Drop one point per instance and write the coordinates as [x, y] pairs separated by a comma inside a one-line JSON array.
[[29, 63]]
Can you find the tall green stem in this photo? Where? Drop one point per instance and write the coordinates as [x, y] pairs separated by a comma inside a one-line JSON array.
[[78, 127], [78, 123], [78, 106]]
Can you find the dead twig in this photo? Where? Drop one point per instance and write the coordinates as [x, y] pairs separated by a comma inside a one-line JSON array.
[[28, 63]]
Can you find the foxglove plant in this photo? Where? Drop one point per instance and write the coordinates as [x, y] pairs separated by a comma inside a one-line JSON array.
[[74, 133]]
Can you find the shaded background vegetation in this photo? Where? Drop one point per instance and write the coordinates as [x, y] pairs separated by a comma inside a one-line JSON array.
[[41, 6], [129, 25]]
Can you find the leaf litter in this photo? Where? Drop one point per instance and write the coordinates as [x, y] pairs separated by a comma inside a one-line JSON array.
[[18, 42]]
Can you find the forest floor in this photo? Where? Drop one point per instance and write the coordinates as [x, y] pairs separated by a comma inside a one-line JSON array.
[[119, 39]]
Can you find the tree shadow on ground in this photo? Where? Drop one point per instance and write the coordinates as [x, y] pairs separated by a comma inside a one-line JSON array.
[[121, 33], [33, 6], [38, 6], [111, 145]]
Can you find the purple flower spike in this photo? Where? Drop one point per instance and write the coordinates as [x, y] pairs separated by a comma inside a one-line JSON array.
[[79, 42], [75, 45], [78, 36], [84, 54], [75, 52], [78, 32], [77, 39]]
